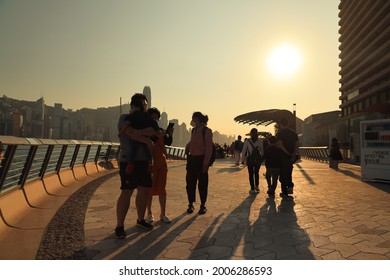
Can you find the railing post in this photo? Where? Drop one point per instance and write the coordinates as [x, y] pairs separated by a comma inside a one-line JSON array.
[[86, 155], [9, 155], [61, 158], [27, 165], [46, 161], [107, 157], [97, 154], [74, 157]]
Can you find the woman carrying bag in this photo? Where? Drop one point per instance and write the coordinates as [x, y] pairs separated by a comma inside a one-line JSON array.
[[253, 152]]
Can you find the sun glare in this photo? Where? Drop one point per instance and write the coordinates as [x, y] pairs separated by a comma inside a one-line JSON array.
[[284, 61]]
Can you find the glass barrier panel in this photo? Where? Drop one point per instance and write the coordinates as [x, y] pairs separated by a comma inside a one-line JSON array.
[[36, 166], [16, 168], [92, 153], [102, 154], [55, 156], [68, 156], [81, 154]]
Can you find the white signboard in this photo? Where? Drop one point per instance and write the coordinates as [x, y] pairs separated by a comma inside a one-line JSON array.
[[375, 149]]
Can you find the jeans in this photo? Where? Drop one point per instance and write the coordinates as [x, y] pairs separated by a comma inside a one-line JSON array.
[[286, 175], [194, 175], [272, 176], [253, 171]]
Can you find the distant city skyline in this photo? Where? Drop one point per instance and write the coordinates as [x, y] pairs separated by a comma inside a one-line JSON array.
[[37, 119], [223, 57]]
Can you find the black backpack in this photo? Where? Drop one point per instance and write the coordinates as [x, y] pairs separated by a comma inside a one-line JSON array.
[[255, 157], [213, 150]]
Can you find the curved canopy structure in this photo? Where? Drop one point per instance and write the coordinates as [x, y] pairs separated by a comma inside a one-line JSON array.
[[265, 117]]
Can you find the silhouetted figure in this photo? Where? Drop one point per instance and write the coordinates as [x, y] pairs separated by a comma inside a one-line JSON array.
[[253, 152], [199, 151], [287, 140], [335, 155], [273, 161]]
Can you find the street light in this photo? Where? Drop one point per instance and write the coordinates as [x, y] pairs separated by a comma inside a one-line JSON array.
[[295, 117]]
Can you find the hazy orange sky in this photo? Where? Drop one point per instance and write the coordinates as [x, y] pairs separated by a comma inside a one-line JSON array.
[[208, 56]]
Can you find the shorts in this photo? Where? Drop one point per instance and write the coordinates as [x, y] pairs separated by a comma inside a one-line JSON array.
[[125, 183], [139, 177]]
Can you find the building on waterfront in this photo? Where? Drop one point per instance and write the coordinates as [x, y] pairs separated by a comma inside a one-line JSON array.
[[318, 129], [148, 93], [57, 121], [38, 122], [364, 66], [17, 122]]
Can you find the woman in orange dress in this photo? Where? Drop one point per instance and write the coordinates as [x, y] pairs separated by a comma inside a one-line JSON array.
[[160, 170]]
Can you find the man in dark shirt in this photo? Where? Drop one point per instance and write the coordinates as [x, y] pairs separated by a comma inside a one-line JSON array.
[[287, 140], [139, 178]]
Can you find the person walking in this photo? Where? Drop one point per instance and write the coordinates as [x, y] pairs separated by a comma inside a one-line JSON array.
[[139, 178], [335, 155], [273, 161], [237, 147], [160, 169], [287, 140], [199, 152], [253, 152]]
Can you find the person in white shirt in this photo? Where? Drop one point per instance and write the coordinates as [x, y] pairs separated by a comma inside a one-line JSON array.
[[253, 153]]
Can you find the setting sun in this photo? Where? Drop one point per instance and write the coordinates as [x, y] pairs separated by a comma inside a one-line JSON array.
[[284, 60]]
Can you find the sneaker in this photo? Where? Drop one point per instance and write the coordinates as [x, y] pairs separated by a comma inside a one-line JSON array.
[[165, 219], [120, 232], [270, 193], [290, 190], [144, 224], [150, 218], [252, 192], [190, 209], [257, 189], [202, 210]]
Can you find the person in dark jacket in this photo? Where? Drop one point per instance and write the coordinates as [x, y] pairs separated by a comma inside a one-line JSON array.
[[335, 154], [273, 161]]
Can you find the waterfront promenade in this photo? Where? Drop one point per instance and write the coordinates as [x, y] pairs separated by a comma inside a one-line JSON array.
[[332, 215]]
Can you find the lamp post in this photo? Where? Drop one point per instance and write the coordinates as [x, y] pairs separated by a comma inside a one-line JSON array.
[[295, 117]]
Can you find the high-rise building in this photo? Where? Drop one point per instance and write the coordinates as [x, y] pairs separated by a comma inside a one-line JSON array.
[[38, 129], [57, 121], [148, 92], [163, 123], [364, 61], [17, 123], [40, 109]]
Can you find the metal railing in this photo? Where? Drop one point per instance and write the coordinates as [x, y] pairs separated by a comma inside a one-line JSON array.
[[29, 159], [322, 153], [176, 152]]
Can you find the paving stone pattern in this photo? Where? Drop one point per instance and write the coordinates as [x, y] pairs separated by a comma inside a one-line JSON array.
[[64, 236], [331, 215]]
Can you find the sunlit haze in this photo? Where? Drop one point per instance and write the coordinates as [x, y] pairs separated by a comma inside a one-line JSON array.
[[216, 57], [284, 61]]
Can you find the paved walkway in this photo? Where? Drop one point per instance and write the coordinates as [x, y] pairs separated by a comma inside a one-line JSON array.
[[332, 215]]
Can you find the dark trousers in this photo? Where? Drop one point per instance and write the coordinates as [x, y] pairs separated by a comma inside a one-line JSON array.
[[253, 171], [272, 176], [286, 175], [194, 175]]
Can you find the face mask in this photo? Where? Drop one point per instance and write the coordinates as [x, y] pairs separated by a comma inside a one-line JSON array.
[[192, 123]]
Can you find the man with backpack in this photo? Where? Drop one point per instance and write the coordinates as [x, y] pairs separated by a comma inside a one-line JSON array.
[[237, 148], [253, 152]]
